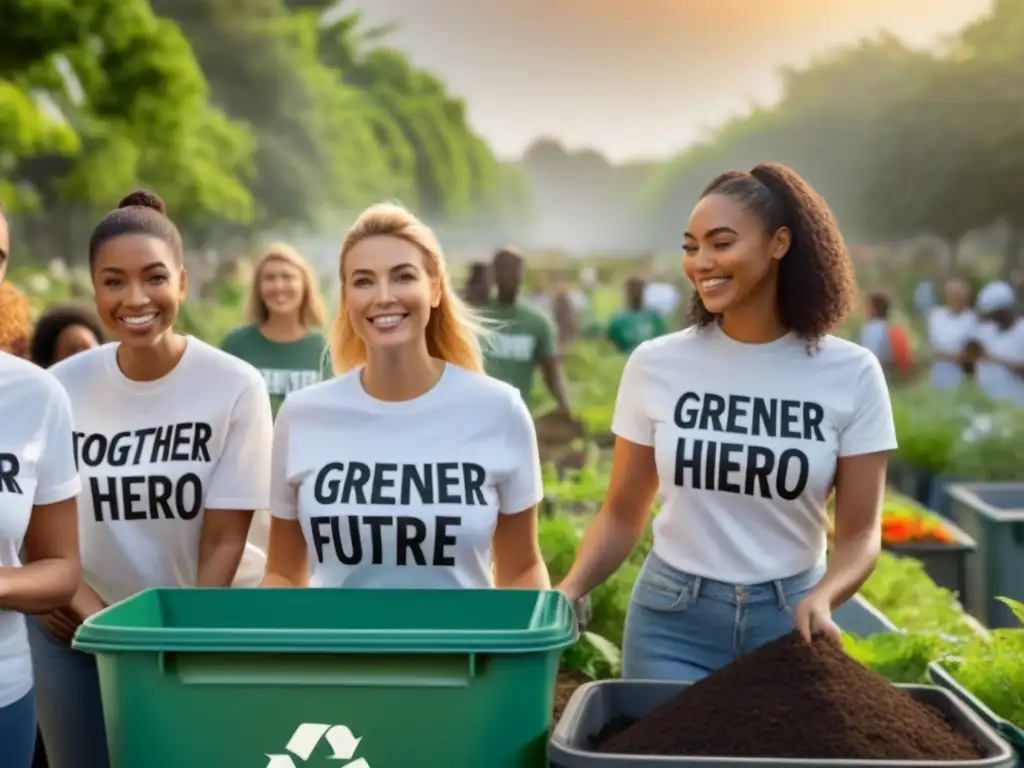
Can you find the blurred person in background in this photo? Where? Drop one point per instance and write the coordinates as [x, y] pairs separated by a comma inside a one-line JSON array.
[[923, 264], [478, 284], [173, 441], [997, 346], [62, 331], [39, 562], [565, 310], [747, 421], [950, 327], [887, 339], [452, 452], [15, 320], [634, 324], [660, 296], [924, 297], [523, 338], [282, 339]]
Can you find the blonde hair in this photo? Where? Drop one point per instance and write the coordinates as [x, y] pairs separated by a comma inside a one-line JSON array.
[[311, 311], [454, 331]]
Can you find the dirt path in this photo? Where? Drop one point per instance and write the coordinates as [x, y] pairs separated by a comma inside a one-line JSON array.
[[568, 682]]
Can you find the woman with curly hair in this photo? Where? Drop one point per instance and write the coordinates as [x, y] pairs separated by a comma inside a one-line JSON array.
[[748, 420], [15, 320], [63, 331]]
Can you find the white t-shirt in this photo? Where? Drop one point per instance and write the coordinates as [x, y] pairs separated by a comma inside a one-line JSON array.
[[948, 332], [874, 336], [154, 456], [403, 495], [662, 298], [37, 467], [746, 439], [994, 379]]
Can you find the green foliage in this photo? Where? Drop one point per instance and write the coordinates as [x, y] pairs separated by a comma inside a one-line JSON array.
[[244, 115], [900, 142], [120, 101]]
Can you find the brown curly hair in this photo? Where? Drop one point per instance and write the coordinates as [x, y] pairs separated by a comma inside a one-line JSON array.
[[817, 288], [15, 319]]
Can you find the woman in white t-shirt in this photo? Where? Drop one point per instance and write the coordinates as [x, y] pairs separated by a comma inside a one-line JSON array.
[[172, 438], [997, 345], [412, 466], [749, 420], [38, 485], [950, 327]]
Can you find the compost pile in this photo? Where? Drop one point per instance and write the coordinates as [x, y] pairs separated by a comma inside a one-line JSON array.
[[791, 699]]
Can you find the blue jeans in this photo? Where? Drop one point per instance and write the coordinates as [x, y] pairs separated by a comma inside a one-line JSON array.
[[681, 627], [68, 702], [18, 733]]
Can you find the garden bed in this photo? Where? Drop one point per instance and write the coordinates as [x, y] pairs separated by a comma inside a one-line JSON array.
[[568, 681], [911, 530]]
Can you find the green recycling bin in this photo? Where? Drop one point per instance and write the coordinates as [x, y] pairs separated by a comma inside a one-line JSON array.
[[283, 678]]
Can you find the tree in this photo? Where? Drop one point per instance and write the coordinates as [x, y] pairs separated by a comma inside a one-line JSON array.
[[119, 102], [314, 149]]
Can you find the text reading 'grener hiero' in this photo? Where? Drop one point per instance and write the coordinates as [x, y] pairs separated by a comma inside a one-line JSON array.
[[739, 466]]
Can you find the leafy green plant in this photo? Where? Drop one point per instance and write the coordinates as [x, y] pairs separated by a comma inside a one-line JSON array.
[[992, 668], [900, 657], [992, 449], [931, 423], [596, 657], [900, 589]]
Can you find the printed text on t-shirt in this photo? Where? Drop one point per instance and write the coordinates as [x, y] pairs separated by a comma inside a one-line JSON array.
[[742, 467], [359, 538], [146, 496], [9, 469]]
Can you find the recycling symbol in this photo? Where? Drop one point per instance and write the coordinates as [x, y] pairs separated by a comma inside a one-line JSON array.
[[305, 739]]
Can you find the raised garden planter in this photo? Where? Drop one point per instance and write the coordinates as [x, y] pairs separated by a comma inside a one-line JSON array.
[[910, 481], [911, 530], [859, 617], [945, 562], [939, 675], [595, 705], [993, 515]]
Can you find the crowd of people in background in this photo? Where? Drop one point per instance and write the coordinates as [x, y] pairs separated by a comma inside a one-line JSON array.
[[379, 455], [967, 338]]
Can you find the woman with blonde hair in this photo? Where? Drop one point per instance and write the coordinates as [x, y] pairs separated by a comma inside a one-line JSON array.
[[412, 468], [282, 338]]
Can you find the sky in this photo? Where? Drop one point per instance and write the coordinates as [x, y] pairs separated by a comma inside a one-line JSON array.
[[636, 79]]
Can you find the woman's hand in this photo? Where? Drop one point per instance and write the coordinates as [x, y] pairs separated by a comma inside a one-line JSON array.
[[813, 614], [61, 624], [580, 606]]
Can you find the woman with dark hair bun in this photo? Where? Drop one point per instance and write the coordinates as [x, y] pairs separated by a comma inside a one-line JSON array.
[[749, 421], [172, 438], [62, 331]]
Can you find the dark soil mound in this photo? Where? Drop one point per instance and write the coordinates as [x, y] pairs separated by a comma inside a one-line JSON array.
[[790, 699]]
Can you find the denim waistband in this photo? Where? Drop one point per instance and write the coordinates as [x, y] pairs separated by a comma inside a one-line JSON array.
[[657, 570]]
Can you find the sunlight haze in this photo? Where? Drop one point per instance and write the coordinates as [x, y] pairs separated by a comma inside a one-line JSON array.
[[634, 78]]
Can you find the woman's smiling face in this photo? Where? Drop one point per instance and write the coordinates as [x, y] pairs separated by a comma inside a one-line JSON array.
[[139, 285], [729, 258], [389, 291]]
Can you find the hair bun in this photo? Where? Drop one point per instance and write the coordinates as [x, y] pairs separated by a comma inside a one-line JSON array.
[[143, 198]]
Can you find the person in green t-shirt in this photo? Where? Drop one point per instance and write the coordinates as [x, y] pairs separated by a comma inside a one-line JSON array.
[[524, 337], [282, 339], [634, 325]]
